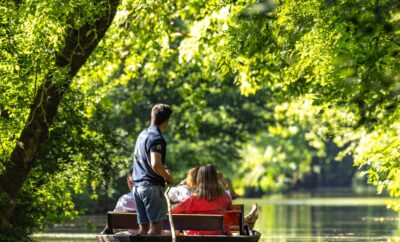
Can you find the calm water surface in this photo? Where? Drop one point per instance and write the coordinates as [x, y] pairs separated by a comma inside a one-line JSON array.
[[297, 217]]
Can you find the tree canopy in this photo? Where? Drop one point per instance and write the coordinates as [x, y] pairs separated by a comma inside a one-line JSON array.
[[339, 61], [261, 89]]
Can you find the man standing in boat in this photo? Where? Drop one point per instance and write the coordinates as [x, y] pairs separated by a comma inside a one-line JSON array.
[[149, 172]]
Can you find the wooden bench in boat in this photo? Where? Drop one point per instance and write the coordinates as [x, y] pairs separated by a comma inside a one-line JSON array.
[[128, 220], [210, 221]]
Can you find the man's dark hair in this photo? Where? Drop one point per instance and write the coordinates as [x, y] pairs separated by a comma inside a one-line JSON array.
[[160, 113]]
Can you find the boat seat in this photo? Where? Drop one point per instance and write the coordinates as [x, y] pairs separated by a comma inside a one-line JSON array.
[[128, 220], [231, 220]]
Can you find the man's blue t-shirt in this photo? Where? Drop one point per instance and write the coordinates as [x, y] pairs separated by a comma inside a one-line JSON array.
[[149, 140]]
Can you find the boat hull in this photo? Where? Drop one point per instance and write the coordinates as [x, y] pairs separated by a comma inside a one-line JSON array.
[[162, 238]]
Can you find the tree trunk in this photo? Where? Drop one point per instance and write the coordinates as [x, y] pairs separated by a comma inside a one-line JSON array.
[[79, 44]]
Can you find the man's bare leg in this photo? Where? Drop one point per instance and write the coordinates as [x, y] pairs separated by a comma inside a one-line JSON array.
[[143, 229], [155, 228]]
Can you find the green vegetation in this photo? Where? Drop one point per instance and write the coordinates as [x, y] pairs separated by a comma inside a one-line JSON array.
[[276, 94], [333, 67]]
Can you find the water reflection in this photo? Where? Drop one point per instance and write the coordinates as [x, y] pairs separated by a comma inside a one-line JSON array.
[[289, 218], [326, 219]]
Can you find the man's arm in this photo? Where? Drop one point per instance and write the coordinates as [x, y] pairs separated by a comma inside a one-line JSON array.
[[158, 167]]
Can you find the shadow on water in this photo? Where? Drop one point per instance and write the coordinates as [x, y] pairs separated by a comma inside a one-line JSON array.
[[296, 217]]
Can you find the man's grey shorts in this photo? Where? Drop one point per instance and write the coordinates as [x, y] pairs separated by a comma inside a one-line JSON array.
[[151, 205]]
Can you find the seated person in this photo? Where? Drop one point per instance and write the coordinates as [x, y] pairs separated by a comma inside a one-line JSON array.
[[185, 188], [188, 186], [210, 196], [126, 203], [228, 188], [251, 218]]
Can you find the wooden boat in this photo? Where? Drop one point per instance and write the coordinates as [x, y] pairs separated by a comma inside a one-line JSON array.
[[191, 238], [221, 221]]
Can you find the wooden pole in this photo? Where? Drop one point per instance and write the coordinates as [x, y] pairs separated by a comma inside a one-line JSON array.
[[171, 222]]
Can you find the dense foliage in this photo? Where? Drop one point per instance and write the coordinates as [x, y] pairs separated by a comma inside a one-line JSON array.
[[45, 45], [264, 90], [339, 61]]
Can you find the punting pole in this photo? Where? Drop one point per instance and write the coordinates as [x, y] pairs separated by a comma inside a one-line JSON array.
[[171, 222]]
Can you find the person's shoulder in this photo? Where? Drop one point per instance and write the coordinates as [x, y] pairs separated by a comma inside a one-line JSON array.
[[156, 138], [228, 201], [155, 133], [143, 135], [127, 196], [191, 198], [225, 198], [126, 203]]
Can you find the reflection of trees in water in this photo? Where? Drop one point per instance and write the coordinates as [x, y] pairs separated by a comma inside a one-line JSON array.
[[313, 219], [284, 218], [280, 221]]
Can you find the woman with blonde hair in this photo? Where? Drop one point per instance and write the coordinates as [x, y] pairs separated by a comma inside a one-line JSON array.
[[185, 188]]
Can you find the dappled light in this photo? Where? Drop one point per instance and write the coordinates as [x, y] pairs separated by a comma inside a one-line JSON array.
[[280, 96]]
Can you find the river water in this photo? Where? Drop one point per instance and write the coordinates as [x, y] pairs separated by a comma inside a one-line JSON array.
[[295, 217]]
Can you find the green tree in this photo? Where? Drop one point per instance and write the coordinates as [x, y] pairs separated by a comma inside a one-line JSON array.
[[340, 55], [89, 146], [211, 119], [45, 45], [309, 74]]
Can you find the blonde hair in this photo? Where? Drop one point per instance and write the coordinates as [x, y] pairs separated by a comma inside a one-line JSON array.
[[191, 177], [208, 185]]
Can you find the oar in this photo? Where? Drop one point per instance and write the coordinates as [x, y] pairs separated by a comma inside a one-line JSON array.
[[171, 222]]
